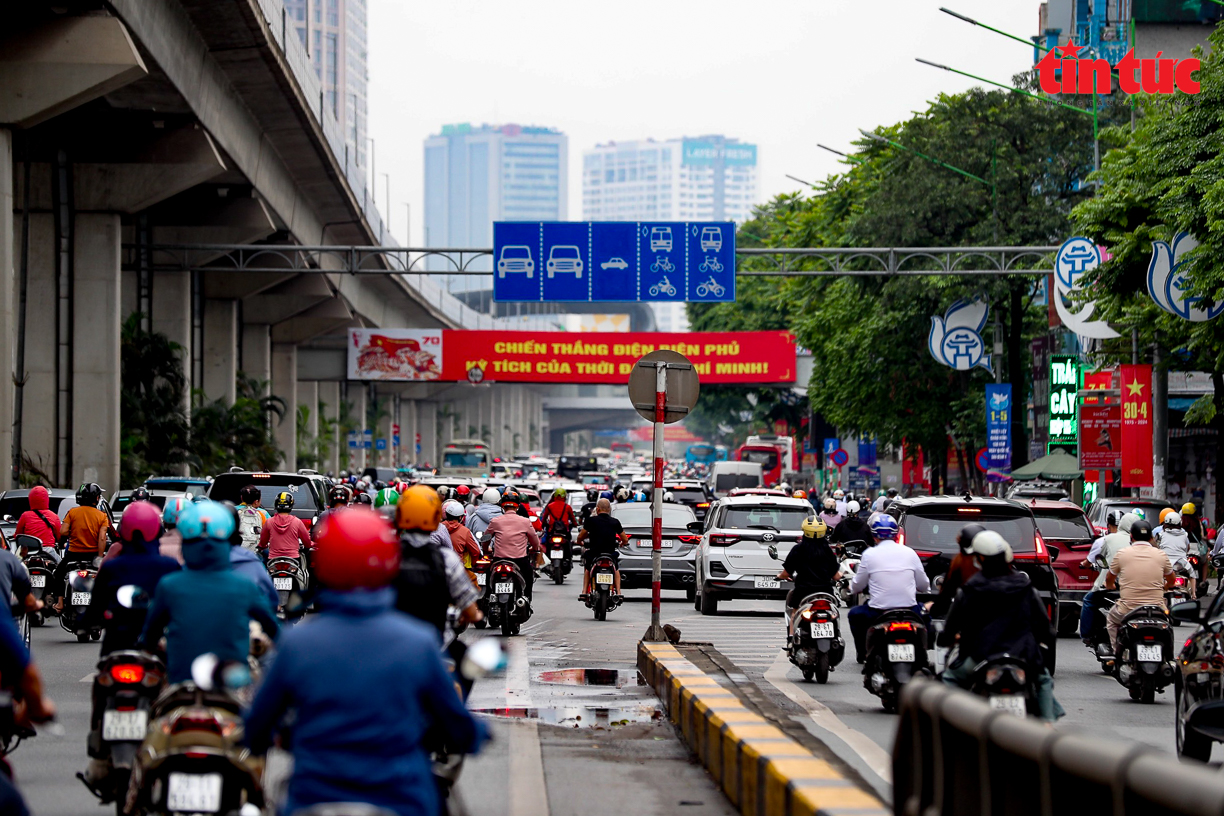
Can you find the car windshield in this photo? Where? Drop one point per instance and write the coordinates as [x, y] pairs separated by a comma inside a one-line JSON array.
[[779, 518], [1055, 526], [123, 501], [766, 459], [936, 529], [636, 515], [724, 482], [596, 479], [226, 487], [16, 505], [458, 459], [1151, 512], [687, 494]]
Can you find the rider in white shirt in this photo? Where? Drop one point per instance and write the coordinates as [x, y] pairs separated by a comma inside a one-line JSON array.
[[892, 574]]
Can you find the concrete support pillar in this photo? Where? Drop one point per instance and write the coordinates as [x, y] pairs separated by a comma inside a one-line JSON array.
[[408, 431], [427, 421], [382, 430], [8, 255], [357, 410], [257, 353], [38, 423], [172, 315], [95, 350], [329, 416], [284, 385], [220, 350], [308, 396]]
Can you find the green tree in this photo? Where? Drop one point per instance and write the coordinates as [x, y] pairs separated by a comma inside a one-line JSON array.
[[153, 422], [239, 434]]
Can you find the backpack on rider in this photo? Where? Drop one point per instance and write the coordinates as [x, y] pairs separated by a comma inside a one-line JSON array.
[[250, 525]]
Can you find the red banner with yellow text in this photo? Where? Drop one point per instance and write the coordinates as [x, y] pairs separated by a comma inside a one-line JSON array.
[[1136, 425], [573, 357]]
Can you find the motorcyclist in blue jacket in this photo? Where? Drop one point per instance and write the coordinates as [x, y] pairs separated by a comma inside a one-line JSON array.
[[365, 683]]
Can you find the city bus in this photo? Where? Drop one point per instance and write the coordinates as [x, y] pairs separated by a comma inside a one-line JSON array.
[[700, 454], [465, 458], [769, 457]]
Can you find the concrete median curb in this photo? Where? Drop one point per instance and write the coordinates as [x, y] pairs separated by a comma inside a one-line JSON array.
[[762, 770]]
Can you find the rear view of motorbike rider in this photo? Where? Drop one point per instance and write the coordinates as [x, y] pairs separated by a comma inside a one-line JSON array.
[[1175, 543], [999, 612], [515, 539], [852, 528], [485, 512], [285, 535], [963, 567], [337, 499], [85, 529], [1142, 573], [811, 564], [430, 577], [829, 514], [358, 734], [558, 518], [893, 575], [593, 494]]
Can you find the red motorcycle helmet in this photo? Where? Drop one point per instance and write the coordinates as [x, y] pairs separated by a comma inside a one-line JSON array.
[[463, 493], [140, 518], [356, 549]]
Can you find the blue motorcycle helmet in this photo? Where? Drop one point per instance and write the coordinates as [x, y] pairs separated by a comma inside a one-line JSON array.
[[206, 519], [884, 527]]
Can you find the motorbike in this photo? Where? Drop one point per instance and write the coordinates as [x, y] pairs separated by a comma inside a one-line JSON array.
[[1100, 645], [11, 734], [192, 759], [506, 597], [468, 664], [124, 688], [76, 603], [40, 562], [816, 645], [560, 559], [711, 287], [851, 554], [288, 576], [603, 579], [664, 286], [1007, 684], [1180, 591], [896, 653], [1145, 653], [480, 574]]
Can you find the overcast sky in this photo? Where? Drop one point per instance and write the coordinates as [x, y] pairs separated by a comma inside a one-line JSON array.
[[783, 74]]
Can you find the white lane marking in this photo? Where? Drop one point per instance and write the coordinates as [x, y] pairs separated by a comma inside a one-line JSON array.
[[518, 674], [89, 678], [877, 759], [528, 789]]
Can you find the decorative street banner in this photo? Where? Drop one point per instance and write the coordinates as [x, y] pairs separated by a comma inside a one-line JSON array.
[[1136, 426], [1170, 287], [395, 354], [1076, 257], [998, 431], [956, 338], [1100, 445]]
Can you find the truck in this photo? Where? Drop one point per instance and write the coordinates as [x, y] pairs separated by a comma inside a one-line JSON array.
[[465, 458]]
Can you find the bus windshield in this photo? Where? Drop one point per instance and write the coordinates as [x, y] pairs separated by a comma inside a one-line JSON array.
[[767, 459], [464, 459]]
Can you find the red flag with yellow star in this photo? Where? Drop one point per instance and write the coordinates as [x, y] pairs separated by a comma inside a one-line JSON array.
[[1136, 425]]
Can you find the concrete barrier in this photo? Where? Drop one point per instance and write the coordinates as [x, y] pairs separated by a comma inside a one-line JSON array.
[[762, 770]]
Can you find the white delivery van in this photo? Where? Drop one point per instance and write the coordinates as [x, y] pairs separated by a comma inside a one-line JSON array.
[[724, 476]]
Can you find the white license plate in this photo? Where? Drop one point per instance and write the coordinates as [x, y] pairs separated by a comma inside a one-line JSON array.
[[557, 554], [1011, 703], [81, 598], [766, 583], [604, 578], [282, 583], [481, 579], [124, 725], [822, 630], [900, 653], [195, 793], [1149, 654], [504, 589], [38, 580]]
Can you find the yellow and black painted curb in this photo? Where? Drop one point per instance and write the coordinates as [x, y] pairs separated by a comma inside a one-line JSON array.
[[762, 770]]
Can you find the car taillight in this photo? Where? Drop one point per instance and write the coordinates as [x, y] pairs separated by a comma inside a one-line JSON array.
[[722, 539], [702, 504], [1040, 554], [901, 536], [688, 539], [894, 626], [925, 554], [127, 672]]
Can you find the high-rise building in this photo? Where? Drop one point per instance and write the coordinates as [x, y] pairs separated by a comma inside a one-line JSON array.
[[1171, 27], [334, 34], [477, 175], [709, 178]]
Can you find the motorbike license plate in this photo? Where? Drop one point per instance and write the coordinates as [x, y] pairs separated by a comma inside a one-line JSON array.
[[481, 579], [81, 598], [504, 589], [282, 583], [194, 793], [1011, 703], [765, 583], [900, 653], [38, 580], [1149, 654], [557, 554], [124, 726], [604, 578], [822, 630]]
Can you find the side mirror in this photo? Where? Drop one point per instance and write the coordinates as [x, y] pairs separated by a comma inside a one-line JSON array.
[[773, 551], [694, 527], [1054, 551], [1187, 612]]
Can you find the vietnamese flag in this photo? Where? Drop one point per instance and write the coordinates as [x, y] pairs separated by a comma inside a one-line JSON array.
[[1136, 385]]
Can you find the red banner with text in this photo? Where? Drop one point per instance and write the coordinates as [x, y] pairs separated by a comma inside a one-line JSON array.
[[572, 357], [1136, 425]]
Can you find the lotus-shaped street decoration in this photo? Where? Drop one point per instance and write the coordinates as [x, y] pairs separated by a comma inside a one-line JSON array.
[[1170, 283], [956, 338]]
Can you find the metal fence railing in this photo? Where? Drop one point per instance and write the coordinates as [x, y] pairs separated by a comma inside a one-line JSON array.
[[955, 756]]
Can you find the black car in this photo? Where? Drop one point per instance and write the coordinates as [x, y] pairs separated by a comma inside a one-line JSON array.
[[309, 490], [695, 494], [1198, 692], [930, 525]]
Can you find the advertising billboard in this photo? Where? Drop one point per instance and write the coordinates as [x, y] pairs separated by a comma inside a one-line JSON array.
[[396, 355]]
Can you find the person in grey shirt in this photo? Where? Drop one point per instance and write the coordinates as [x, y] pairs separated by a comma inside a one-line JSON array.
[[15, 582]]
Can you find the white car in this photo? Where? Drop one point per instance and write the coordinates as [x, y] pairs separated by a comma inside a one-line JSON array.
[[733, 560], [565, 258], [516, 258]]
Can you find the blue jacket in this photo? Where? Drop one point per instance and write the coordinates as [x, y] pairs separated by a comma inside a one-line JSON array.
[[135, 565], [248, 565], [366, 682], [205, 608]]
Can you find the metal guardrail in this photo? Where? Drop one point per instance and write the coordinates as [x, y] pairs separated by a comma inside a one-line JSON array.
[[955, 756]]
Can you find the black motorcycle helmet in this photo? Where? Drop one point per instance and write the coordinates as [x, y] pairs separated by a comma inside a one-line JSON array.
[[337, 495], [249, 494], [965, 539], [88, 494], [892, 492], [1141, 530], [284, 502], [141, 494]]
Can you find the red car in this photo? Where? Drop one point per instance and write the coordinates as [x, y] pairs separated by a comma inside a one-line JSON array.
[[1065, 527]]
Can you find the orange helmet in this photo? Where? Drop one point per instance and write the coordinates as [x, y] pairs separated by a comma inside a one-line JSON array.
[[419, 508], [1165, 512]]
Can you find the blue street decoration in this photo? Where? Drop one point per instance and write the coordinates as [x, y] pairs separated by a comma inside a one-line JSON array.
[[1076, 257], [956, 338], [1170, 286], [998, 431]]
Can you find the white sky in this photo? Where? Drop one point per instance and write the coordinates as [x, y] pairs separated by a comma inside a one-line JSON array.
[[783, 74]]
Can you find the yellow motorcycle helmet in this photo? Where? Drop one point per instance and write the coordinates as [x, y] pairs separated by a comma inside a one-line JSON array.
[[419, 508], [814, 527], [1188, 507]]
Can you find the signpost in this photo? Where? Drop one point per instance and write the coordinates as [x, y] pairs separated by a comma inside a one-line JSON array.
[[597, 261], [662, 399]]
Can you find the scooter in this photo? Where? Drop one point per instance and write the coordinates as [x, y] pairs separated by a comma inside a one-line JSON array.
[[851, 554], [816, 645], [1145, 653], [560, 560], [664, 286], [288, 576], [603, 579], [76, 603], [896, 653], [480, 574], [1007, 684], [40, 562], [1100, 646], [506, 597]]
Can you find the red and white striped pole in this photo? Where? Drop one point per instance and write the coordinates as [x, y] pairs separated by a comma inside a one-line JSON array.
[[656, 508]]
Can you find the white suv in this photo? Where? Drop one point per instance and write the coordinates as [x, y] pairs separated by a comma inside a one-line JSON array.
[[733, 558]]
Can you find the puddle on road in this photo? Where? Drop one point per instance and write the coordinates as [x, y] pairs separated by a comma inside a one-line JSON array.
[[580, 716], [607, 678]]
